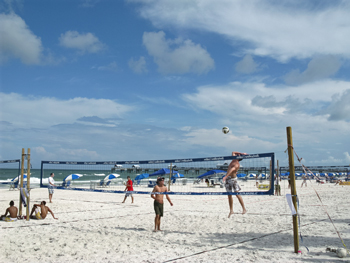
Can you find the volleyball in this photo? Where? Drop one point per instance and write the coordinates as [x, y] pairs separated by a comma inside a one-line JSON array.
[[225, 130], [341, 252]]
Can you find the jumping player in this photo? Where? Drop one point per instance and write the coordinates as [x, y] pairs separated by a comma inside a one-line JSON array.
[[231, 183], [159, 202]]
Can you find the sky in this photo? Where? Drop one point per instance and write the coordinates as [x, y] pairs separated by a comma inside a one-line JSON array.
[[105, 80]]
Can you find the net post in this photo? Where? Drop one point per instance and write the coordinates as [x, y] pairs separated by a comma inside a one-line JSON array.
[[21, 183], [293, 187], [170, 175], [28, 183]]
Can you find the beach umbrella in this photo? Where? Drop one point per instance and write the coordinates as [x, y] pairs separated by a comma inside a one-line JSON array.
[[298, 174], [241, 175], [177, 175], [211, 173], [72, 177], [162, 172], [252, 175], [323, 174], [141, 176], [111, 177], [17, 178]]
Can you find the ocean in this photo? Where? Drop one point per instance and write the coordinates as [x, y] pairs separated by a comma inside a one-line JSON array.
[[6, 175]]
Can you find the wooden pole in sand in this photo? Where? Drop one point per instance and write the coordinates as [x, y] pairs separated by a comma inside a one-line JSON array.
[[21, 183], [28, 183], [293, 188], [170, 175]]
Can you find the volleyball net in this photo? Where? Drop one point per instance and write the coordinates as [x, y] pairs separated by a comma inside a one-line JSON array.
[[190, 176]]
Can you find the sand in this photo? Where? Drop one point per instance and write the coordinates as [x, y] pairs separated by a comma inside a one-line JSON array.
[[97, 227]]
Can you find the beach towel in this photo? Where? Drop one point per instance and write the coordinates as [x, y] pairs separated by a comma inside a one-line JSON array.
[[24, 196]]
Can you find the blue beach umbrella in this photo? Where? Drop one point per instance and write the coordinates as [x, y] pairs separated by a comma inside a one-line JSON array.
[[241, 175], [111, 177], [252, 175], [141, 176], [72, 177], [17, 178], [162, 172], [322, 174], [177, 175], [210, 173]]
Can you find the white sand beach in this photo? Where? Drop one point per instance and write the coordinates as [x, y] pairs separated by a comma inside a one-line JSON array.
[[97, 227]]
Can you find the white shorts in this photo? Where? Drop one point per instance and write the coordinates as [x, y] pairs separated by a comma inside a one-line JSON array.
[[231, 185]]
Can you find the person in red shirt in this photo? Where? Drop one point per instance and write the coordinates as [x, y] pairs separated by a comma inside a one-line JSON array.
[[129, 188]]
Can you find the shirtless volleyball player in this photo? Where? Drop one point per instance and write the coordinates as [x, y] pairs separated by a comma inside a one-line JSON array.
[[231, 183], [42, 212], [159, 201]]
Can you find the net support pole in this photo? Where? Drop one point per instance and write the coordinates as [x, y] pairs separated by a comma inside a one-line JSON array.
[[293, 188], [21, 182], [170, 175], [28, 184]]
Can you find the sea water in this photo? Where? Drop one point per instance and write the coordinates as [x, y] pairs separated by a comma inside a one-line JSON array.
[[7, 175]]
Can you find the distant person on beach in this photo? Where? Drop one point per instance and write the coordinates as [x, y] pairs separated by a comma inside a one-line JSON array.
[[159, 201], [12, 211], [304, 180], [51, 186], [277, 185], [128, 188], [256, 181], [338, 182], [231, 183], [41, 211]]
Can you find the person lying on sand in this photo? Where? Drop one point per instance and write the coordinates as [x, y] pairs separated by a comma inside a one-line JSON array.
[[158, 201], [41, 211], [12, 211]]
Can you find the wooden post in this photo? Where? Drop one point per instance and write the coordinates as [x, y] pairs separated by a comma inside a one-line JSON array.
[[28, 183], [293, 188], [21, 183], [170, 175], [278, 191]]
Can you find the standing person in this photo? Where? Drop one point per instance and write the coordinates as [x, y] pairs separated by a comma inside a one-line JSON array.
[[42, 212], [304, 180], [256, 181], [277, 185], [12, 211], [231, 183], [129, 188], [159, 201], [51, 186]]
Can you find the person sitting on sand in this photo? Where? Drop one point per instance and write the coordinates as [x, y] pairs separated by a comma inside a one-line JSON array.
[[42, 212], [159, 202], [231, 183], [12, 211]]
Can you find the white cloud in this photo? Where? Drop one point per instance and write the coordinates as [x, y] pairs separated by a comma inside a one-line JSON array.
[[347, 157], [41, 112], [247, 65], [110, 67], [339, 109], [18, 41], [279, 29], [83, 42], [138, 66], [320, 67], [177, 56]]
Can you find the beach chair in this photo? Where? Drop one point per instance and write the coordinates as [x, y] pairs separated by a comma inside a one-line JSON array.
[[108, 183], [66, 184]]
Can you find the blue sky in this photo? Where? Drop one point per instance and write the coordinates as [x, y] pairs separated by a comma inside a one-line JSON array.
[[138, 80]]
